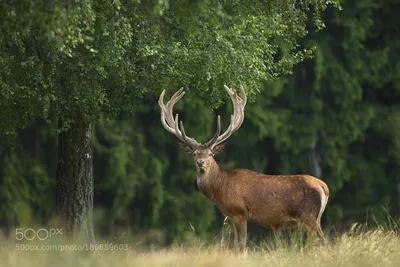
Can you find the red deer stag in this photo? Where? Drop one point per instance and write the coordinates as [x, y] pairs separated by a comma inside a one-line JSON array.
[[272, 201]]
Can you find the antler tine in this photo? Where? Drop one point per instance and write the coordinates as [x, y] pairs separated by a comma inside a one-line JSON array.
[[166, 121], [217, 133], [226, 134], [165, 124], [237, 117], [167, 118], [243, 95], [187, 139], [243, 100], [240, 114], [170, 104], [239, 104], [181, 133], [176, 128]]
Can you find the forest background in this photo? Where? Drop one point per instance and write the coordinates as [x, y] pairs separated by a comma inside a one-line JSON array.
[[323, 100]]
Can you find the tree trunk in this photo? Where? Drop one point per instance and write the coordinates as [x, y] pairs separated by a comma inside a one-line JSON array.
[[75, 180], [315, 158]]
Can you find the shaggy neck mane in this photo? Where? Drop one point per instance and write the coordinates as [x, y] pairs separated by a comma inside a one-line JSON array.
[[211, 181]]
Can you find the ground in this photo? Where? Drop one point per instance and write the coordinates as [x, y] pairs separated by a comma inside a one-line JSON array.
[[378, 247]]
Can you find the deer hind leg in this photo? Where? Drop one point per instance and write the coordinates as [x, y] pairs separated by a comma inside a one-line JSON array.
[[241, 231], [314, 227], [312, 223], [319, 232], [321, 235], [311, 226], [236, 238]]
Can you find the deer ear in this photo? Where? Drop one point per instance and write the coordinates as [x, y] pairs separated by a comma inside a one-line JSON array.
[[218, 148], [187, 149]]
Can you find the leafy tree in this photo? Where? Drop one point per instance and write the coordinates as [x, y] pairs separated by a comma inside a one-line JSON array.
[[73, 61]]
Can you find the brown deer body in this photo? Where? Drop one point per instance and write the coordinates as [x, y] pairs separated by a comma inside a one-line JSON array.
[[272, 201]]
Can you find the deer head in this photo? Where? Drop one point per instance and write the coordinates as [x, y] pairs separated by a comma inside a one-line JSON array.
[[203, 153]]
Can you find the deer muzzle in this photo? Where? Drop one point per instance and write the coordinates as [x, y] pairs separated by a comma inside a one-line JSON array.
[[200, 163]]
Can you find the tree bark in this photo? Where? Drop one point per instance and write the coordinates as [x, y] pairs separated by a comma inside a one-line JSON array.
[[75, 180]]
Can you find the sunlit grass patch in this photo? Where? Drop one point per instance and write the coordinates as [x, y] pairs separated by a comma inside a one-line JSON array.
[[358, 247]]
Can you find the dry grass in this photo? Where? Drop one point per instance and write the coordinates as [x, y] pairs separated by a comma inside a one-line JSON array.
[[357, 248]]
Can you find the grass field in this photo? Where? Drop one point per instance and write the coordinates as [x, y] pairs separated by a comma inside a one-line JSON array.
[[358, 247]]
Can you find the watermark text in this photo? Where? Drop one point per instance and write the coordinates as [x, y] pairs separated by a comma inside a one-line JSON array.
[[73, 247], [36, 234]]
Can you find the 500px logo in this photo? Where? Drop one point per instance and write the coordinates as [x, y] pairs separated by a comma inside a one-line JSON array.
[[40, 234]]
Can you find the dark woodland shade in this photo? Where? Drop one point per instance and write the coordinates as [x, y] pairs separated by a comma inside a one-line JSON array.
[[337, 113]]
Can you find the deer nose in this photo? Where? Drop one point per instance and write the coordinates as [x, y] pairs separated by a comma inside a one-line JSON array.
[[200, 162]]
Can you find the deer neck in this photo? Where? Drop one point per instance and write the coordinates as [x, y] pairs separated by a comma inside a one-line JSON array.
[[210, 182]]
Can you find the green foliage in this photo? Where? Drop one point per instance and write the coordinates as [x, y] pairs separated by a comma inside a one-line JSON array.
[[26, 185], [113, 57], [58, 59]]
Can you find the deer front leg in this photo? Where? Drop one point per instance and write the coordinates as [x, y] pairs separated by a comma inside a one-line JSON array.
[[235, 242], [241, 232]]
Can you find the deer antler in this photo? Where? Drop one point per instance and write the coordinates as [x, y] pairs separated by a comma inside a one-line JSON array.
[[239, 102], [171, 124]]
